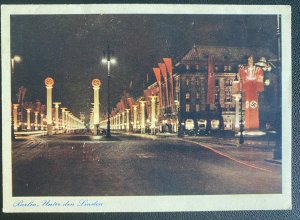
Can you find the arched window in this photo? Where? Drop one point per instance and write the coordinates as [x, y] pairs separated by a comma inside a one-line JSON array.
[[187, 81]]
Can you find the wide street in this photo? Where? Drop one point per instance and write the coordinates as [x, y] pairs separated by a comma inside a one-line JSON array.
[[80, 165]]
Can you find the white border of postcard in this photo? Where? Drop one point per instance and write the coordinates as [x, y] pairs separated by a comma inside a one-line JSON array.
[[150, 203]]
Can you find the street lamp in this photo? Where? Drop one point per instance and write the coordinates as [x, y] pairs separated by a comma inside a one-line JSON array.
[[267, 65], [107, 58], [241, 138], [14, 60]]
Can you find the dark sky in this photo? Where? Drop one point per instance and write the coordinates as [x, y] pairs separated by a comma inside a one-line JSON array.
[[69, 48]]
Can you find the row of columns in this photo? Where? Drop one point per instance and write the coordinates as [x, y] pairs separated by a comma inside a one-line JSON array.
[[67, 120], [120, 122]]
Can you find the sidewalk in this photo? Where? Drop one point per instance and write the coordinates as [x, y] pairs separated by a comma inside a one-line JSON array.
[[257, 151]]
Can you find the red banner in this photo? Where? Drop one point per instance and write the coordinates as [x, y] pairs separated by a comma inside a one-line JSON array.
[[168, 63], [251, 85], [158, 78], [130, 102], [163, 70], [210, 82]]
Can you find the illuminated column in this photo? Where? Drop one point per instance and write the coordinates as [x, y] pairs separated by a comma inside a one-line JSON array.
[[96, 83], [71, 121], [119, 121], [28, 119], [114, 122], [67, 120], [15, 113], [63, 115], [237, 111], [36, 120], [153, 100], [42, 121], [123, 120], [176, 110], [127, 119], [142, 118], [134, 117], [49, 82], [56, 104]]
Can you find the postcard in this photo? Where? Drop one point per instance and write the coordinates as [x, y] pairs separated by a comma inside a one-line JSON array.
[[146, 108]]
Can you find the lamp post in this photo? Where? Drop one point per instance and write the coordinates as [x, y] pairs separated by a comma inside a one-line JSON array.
[[239, 97], [267, 67], [14, 60], [96, 83], [56, 104], [49, 82], [107, 58], [241, 141]]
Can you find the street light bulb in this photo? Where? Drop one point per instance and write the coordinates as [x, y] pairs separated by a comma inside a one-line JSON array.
[[113, 60], [104, 60], [17, 58], [267, 82]]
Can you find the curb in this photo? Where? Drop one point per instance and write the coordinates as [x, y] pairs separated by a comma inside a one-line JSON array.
[[274, 161]]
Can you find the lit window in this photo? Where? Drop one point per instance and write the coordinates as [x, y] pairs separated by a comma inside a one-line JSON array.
[[214, 124], [187, 107], [197, 107], [187, 95], [187, 81], [228, 82], [228, 95], [189, 124]]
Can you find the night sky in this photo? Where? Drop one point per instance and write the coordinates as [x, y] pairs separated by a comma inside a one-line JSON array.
[[69, 48]]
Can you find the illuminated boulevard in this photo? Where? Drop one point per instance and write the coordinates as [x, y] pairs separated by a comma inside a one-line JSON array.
[[128, 164]]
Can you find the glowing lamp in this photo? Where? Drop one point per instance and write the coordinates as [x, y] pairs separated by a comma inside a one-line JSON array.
[[49, 81]]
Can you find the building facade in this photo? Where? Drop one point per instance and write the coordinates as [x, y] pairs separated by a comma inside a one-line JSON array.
[[196, 95]]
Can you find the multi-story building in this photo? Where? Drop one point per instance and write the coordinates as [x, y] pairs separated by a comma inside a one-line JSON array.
[[206, 75], [197, 95]]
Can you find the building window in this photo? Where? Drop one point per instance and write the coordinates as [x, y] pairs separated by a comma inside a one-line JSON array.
[[215, 124], [198, 95], [187, 82], [228, 95], [228, 82], [189, 124], [187, 95], [187, 107], [197, 82], [197, 107], [217, 82]]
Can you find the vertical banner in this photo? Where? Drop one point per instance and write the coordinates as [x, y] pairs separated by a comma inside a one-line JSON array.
[[158, 78], [163, 70], [168, 63], [210, 81], [130, 101], [251, 85]]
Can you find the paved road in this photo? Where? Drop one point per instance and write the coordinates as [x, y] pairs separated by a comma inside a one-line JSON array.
[[80, 166]]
